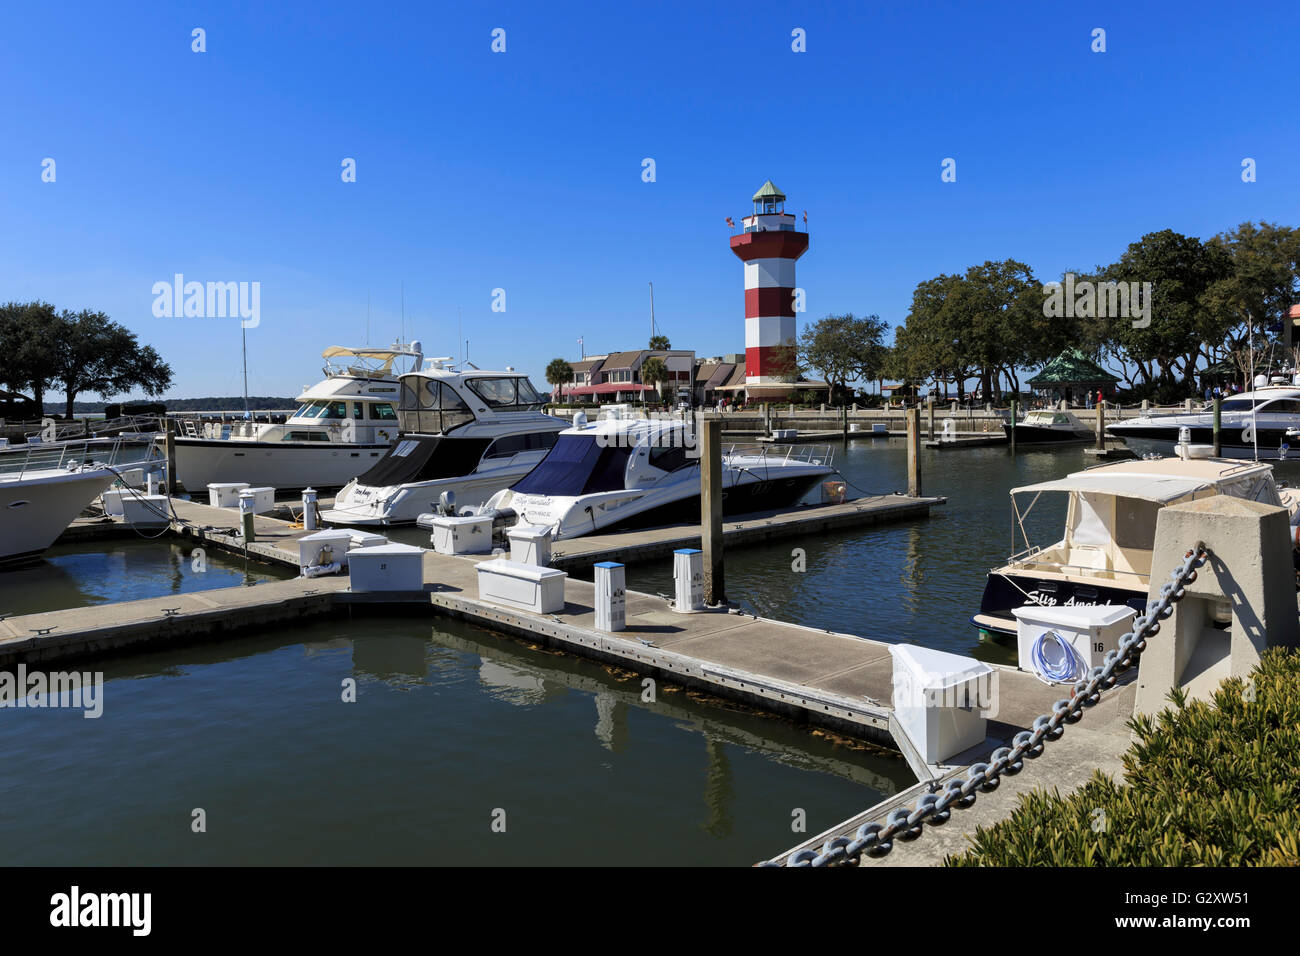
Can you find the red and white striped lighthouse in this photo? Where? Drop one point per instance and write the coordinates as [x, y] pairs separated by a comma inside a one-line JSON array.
[[769, 247]]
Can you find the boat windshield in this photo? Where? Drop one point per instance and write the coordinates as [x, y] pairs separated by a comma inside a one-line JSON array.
[[577, 465], [1240, 404], [507, 393]]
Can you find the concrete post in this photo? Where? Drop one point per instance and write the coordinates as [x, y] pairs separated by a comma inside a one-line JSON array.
[[1101, 426], [913, 417], [1146, 406], [1187, 405], [1249, 580], [929, 403], [1012, 430], [715, 590]]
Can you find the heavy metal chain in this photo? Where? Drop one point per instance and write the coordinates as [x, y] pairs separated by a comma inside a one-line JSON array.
[[877, 839]]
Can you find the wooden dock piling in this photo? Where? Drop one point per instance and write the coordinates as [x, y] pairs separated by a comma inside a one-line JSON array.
[[715, 589]]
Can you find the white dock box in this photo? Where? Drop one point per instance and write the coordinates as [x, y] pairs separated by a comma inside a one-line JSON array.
[[1091, 629], [225, 494], [112, 499], [366, 539], [263, 499], [525, 586], [310, 547], [468, 534], [940, 700], [146, 511], [530, 544], [387, 567]]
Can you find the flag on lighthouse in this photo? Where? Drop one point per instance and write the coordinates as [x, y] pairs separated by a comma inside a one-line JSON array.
[[805, 217], [730, 223]]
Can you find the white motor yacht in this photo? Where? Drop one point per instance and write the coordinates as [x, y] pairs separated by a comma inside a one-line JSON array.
[[43, 487], [1104, 556], [633, 472], [466, 432], [1252, 425], [344, 424]]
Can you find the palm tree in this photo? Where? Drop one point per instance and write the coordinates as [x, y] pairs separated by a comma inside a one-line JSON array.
[[654, 372], [660, 343], [558, 373]]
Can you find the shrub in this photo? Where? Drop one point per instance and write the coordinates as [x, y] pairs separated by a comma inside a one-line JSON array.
[[1205, 784]]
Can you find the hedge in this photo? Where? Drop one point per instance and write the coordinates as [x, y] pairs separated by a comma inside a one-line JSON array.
[[1205, 784]]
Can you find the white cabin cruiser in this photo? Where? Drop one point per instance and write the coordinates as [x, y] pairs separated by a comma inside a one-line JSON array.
[[1252, 420], [45, 487], [1104, 556], [1049, 426], [466, 432], [343, 426], [623, 473]]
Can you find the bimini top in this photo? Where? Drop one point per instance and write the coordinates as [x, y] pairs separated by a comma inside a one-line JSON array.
[[1161, 481], [385, 356]]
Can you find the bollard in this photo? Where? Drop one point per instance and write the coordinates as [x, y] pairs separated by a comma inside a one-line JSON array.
[[611, 596], [688, 576], [1101, 426], [310, 516], [913, 417], [246, 506], [929, 401], [715, 590]]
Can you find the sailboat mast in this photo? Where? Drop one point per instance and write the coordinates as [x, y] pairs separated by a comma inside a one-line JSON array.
[[243, 334]]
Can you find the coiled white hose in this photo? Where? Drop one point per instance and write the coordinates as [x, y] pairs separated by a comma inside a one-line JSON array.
[[1069, 664]]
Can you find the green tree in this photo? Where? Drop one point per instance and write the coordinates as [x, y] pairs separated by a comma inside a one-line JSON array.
[[30, 333], [97, 355], [659, 343], [558, 373], [1263, 283], [654, 372], [843, 348], [1185, 313]]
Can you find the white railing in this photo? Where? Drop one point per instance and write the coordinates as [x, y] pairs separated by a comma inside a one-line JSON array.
[[808, 454], [17, 461]]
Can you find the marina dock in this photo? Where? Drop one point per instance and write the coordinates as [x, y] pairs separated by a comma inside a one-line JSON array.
[[835, 680]]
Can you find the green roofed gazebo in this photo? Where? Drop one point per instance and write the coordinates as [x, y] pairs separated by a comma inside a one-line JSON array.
[[1071, 373]]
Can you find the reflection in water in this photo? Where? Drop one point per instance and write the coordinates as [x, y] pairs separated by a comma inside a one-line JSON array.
[[387, 656], [512, 684], [719, 791], [90, 573]]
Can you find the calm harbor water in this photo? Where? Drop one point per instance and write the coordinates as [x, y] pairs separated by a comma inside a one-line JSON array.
[[452, 723]]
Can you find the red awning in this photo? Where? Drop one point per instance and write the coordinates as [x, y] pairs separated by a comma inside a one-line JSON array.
[[608, 388]]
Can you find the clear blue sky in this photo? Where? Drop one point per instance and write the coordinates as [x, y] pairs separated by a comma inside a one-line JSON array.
[[522, 170]]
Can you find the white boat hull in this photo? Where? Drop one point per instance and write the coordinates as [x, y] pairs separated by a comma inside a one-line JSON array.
[[34, 511], [400, 505], [201, 462]]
